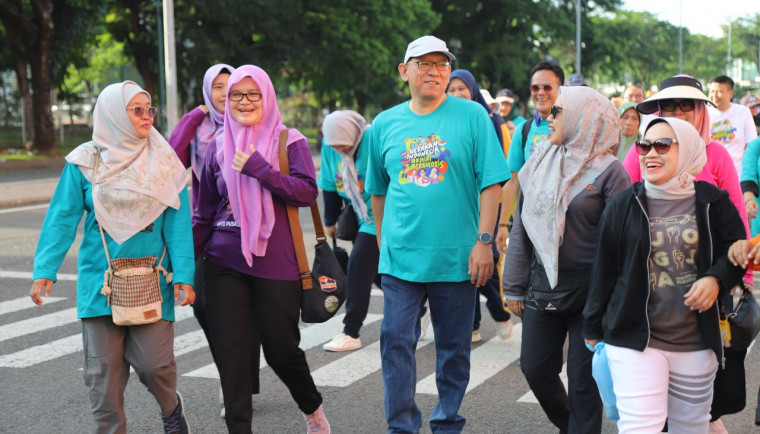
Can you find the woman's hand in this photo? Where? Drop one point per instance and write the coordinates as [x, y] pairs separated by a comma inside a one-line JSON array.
[[330, 231], [516, 307], [189, 293], [241, 158], [592, 343], [751, 205], [37, 289], [501, 240], [702, 294], [204, 109], [741, 252]]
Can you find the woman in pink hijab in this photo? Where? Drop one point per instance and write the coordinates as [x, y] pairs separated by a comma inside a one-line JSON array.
[[242, 235]]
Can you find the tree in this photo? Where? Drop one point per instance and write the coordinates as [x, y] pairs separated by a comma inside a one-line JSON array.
[[39, 34], [746, 31]]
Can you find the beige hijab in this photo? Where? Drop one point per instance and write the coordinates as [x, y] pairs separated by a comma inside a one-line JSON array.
[[136, 179], [554, 175]]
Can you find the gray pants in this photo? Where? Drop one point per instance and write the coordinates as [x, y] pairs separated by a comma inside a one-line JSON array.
[[110, 350]]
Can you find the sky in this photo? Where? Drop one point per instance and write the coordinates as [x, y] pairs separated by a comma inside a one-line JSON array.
[[699, 16]]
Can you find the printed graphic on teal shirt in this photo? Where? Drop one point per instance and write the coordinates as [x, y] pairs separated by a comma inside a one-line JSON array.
[[423, 163], [723, 132], [339, 179], [536, 138]]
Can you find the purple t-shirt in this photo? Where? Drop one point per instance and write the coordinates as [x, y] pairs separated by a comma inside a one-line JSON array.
[[218, 234]]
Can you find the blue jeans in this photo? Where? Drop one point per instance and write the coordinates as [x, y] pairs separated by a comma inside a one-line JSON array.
[[451, 313]]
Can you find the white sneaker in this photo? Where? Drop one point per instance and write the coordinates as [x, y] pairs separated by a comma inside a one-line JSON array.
[[476, 336], [343, 342], [504, 329], [717, 427], [424, 322]]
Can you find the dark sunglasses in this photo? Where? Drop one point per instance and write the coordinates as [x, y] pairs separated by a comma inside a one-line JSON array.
[[536, 87], [669, 105], [555, 109], [662, 146]]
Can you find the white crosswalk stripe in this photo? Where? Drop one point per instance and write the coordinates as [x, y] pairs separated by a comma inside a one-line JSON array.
[[347, 369], [531, 398], [24, 303]]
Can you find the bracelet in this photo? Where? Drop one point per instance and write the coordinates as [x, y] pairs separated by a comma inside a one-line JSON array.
[[502, 225]]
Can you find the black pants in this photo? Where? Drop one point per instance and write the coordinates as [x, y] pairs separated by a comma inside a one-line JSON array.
[[541, 361], [233, 301], [200, 316], [362, 271]]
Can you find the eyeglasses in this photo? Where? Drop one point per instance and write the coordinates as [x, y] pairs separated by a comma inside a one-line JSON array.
[[140, 111], [537, 87], [662, 146], [427, 66], [250, 96], [669, 105], [555, 109]]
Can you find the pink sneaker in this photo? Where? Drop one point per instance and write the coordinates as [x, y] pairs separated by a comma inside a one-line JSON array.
[[717, 427], [317, 422]]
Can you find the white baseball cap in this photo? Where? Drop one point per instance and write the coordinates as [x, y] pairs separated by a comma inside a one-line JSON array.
[[427, 44], [487, 96]]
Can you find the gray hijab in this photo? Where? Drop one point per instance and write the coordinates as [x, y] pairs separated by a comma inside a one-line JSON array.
[[554, 175], [346, 127]]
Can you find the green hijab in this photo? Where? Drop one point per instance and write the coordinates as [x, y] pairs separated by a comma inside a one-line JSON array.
[[627, 141]]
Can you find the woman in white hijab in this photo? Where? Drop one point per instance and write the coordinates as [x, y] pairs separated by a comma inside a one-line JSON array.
[[566, 185], [344, 166], [661, 263], [129, 182]]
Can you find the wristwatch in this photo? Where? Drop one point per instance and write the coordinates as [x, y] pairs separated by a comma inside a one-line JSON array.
[[485, 238]]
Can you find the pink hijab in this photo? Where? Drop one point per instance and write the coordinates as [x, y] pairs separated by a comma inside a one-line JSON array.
[[251, 203]]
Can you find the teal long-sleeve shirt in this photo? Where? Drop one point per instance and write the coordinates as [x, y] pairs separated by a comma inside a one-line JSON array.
[[72, 199]]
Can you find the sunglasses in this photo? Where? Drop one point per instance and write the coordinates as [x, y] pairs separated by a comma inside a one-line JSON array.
[[669, 105], [140, 111], [555, 109], [662, 146], [537, 87]]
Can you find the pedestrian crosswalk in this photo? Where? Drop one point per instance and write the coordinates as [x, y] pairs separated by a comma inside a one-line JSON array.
[[347, 369]]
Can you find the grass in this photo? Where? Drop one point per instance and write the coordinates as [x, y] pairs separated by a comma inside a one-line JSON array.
[[12, 146]]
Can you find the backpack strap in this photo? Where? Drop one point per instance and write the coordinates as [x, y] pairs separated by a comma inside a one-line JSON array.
[[525, 131]]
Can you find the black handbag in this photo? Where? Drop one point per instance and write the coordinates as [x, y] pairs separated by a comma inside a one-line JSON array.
[[744, 320], [341, 255], [348, 225], [729, 388], [324, 287], [568, 296]]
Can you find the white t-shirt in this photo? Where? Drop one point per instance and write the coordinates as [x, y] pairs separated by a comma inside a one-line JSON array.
[[733, 128]]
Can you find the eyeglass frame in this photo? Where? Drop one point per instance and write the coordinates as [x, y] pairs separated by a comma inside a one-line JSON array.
[[152, 111], [419, 63], [678, 104], [554, 110], [658, 145], [535, 88], [242, 94]]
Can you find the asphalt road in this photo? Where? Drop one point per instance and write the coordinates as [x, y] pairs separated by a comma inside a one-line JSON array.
[[41, 386]]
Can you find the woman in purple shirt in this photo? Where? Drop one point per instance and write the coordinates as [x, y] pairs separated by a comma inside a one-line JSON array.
[[242, 233]]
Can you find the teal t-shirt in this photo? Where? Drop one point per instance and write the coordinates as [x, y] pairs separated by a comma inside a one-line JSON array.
[[73, 199], [329, 178], [431, 170], [751, 172], [518, 155]]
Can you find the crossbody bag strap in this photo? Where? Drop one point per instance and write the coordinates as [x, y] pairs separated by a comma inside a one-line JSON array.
[[295, 224]]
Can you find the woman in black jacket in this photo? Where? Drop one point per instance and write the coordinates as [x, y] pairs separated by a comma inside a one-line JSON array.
[[660, 265]]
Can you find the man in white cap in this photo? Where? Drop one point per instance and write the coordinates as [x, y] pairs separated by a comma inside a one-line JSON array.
[[731, 124], [432, 158]]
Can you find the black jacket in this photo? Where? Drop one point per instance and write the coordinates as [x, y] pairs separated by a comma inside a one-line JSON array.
[[616, 309]]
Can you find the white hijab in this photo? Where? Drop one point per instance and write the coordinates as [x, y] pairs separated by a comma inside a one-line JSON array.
[[692, 157], [346, 127], [136, 179], [554, 175]]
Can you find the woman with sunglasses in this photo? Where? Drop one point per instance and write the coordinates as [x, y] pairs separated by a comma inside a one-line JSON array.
[[661, 262], [682, 97], [547, 270], [241, 230], [128, 182]]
